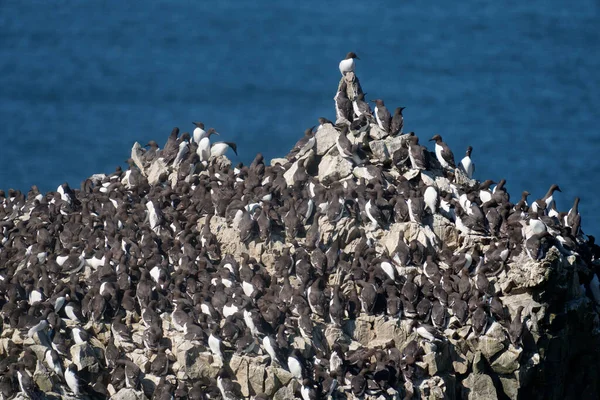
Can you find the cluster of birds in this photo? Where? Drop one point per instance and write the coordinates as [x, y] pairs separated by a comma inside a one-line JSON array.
[[75, 262]]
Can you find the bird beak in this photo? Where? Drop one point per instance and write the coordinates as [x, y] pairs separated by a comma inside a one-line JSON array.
[[431, 140], [217, 133], [357, 58]]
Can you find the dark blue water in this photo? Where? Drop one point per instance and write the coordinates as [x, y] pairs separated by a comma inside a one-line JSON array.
[[80, 82]]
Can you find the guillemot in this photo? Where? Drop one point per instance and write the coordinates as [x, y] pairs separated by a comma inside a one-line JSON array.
[[443, 152], [397, 122], [347, 64], [382, 115]]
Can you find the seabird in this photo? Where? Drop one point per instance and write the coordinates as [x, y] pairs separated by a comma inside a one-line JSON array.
[[72, 379], [573, 219], [416, 153], [360, 106], [343, 105], [295, 364], [467, 166], [219, 148], [204, 149], [303, 145], [199, 132], [443, 152], [397, 122], [545, 202], [382, 115], [347, 64]]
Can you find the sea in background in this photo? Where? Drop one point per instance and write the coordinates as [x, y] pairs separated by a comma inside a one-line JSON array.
[[81, 81]]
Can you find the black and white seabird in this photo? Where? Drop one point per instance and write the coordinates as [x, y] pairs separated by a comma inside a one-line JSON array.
[[347, 64], [72, 379], [467, 166], [198, 132], [343, 105], [545, 202], [416, 153], [303, 145], [382, 115], [573, 219], [220, 148], [397, 122], [360, 106], [443, 152]]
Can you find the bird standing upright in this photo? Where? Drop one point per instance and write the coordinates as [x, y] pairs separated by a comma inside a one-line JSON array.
[[199, 132], [397, 122], [347, 64], [466, 164], [382, 115], [443, 152]]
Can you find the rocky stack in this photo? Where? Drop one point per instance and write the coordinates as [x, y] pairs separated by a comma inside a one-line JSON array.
[[359, 266]]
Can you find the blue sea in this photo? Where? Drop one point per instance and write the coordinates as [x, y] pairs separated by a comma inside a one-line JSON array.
[[81, 81]]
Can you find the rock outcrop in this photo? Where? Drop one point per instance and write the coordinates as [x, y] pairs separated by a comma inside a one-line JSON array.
[[200, 278]]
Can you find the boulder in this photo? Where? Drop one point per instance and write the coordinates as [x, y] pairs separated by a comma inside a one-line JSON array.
[[325, 138], [156, 169], [479, 387], [433, 388], [129, 394], [376, 133], [83, 355], [492, 342], [239, 366], [136, 156], [508, 361], [195, 362], [510, 386], [333, 168], [42, 379]]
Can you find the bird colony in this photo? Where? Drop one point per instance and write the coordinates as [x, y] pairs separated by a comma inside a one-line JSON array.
[[360, 266]]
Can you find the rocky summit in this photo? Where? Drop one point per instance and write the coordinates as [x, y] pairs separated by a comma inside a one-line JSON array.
[[360, 266]]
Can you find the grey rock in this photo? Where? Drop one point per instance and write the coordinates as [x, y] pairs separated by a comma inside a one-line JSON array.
[[287, 392], [383, 149], [83, 355], [283, 376], [445, 230], [492, 342], [289, 174], [508, 361], [479, 387], [333, 168], [239, 366], [510, 386], [129, 394], [433, 388], [136, 156], [526, 273], [379, 150], [478, 363], [42, 379], [280, 161], [325, 138], [376, 133], [156, 169], [196, 362], [272, 383], [362, 172], [257, 375]]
